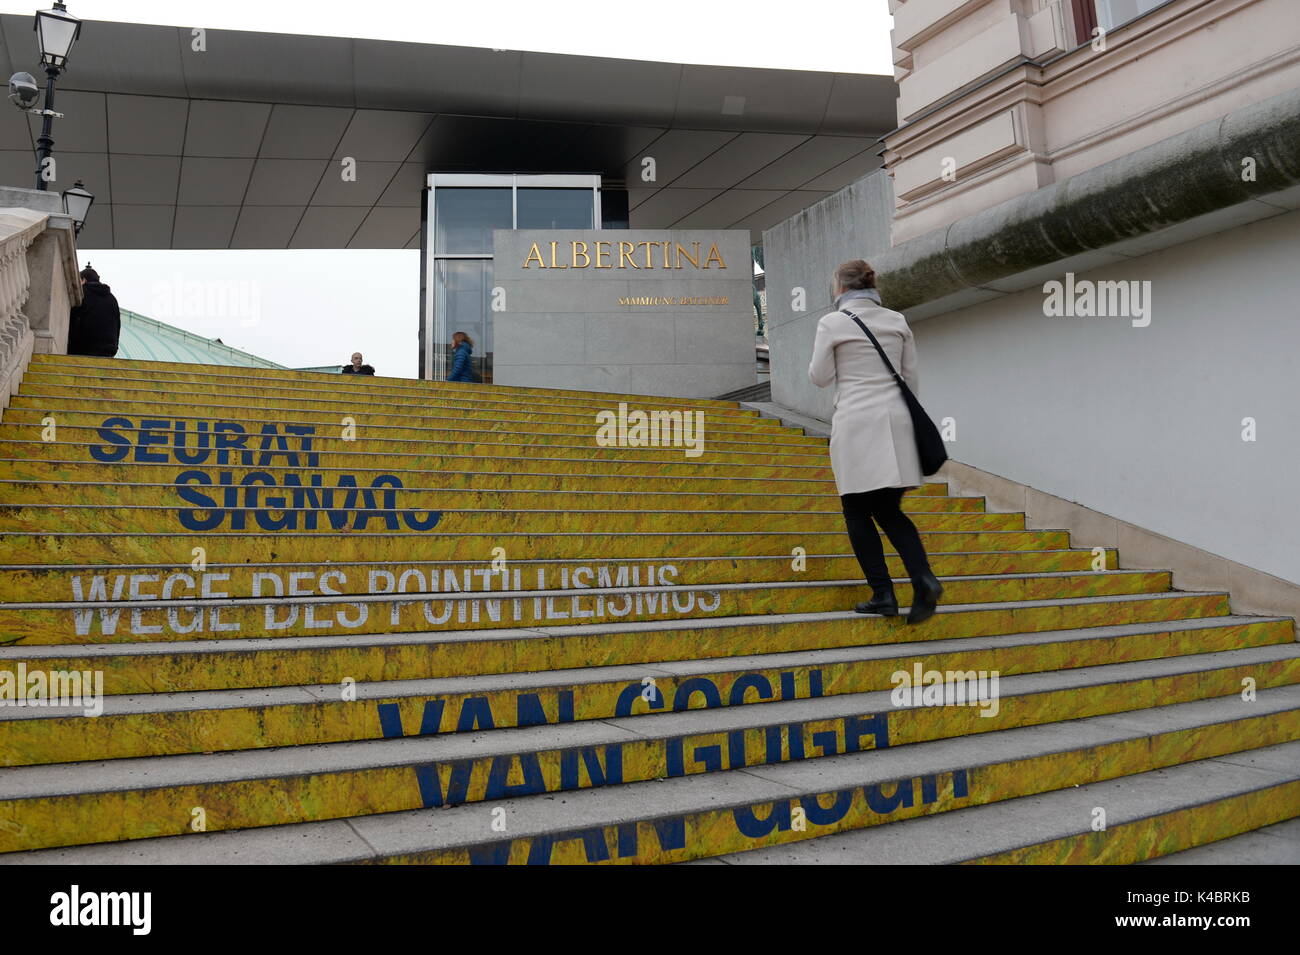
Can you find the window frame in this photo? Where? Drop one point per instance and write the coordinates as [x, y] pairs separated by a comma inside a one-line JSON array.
[[435, 355]]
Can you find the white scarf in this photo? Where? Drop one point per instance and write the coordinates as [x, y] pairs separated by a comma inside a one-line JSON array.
[[857, 295]]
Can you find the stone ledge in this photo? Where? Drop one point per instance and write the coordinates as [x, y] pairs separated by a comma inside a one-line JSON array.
[[1190, 176]]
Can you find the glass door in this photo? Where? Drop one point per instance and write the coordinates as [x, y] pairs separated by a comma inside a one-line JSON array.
[[464, 209]]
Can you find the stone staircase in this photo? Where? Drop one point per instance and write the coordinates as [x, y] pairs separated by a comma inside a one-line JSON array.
[[378, 620]]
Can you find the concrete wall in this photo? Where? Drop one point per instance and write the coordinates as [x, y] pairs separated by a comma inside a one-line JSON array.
[[1145, 424], [801, 254], [565, 328]]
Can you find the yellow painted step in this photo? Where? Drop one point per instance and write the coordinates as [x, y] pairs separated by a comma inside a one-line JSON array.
[[737, 826], [24, 417], [62, 583], [529, 476], [106, 393], [251, 451], [328, 511], [126, 611], [320, 714], [227, 547], [67, 493], [146, 811], [1163, 833], [86, 367], [305, 660]]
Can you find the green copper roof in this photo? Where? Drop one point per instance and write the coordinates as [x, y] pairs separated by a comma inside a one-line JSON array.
[[148, 339]]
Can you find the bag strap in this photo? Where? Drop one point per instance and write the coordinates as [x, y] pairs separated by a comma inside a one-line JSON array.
[[883, 356]]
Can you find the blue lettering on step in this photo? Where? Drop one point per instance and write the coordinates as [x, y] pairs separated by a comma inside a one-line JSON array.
[[269, 504], [633, 692], [608, 774], [755, 827], [701, 685], [818, 815], [118, 445], [498, 785], [390, 719]]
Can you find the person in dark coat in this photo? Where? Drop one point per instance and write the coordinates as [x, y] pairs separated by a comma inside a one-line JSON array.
[[95, 325], [356, 368], [462, 368]]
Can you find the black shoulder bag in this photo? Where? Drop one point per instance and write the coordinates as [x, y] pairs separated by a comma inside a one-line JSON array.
[[929, 443]]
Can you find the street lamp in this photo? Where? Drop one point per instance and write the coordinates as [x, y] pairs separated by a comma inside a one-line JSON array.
[[76, 203], [56, 31]]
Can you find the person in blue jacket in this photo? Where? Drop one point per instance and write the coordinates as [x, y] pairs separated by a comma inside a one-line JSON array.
[[462, 369]]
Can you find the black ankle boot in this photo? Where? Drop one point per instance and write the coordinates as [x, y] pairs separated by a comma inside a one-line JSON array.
[[882, 602], [926, 591]]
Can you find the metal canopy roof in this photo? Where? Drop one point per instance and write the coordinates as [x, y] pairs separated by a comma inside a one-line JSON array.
[[148, 339], [241, 145]]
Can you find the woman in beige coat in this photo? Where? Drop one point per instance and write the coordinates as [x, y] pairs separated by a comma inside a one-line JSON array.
[[873, 447]]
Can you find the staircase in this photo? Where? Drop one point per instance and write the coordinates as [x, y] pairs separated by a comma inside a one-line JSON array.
[[376, 620]]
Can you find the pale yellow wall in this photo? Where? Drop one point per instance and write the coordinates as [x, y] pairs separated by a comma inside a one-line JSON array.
[[1019, 126]]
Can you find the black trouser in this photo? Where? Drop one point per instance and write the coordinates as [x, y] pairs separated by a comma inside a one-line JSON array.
[[884, 505]]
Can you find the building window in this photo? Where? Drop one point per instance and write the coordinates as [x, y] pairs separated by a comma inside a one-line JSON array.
[[1114, 13], [555, 209], [463, 211], [464, 218]]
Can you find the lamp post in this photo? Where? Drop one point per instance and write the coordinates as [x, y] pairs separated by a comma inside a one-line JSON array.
[[76, 203], [56, 31]]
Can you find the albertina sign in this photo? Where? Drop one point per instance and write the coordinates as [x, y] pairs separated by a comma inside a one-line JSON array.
[[578, 255], [640, 311]]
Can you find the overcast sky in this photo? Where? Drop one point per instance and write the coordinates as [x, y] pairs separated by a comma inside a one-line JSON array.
[[316, 307]]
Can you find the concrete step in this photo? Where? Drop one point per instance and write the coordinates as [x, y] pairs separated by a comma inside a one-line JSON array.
[[326, 511], [417, 425], [135, 798], [545, 475], [1145, 815], [284, 608], [251, 451], [117, 436], [78, 582], [237, 660], [365, 538], [696, 816], [1278, 844], [302, 502], [480, 619], [139, 493], [160, 723], [636, 654], [342, 394], [85, 368]]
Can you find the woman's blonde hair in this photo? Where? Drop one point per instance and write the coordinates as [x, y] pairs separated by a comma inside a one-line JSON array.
[[855, 274], [459, 337]]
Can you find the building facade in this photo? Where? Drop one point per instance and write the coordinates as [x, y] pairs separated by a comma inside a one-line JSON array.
[[1089, 216], [268, 141]]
